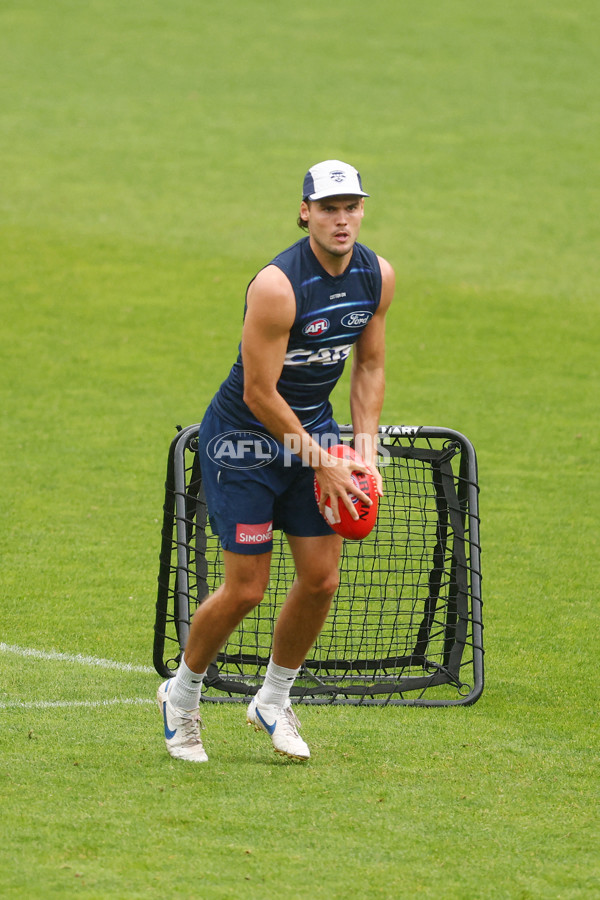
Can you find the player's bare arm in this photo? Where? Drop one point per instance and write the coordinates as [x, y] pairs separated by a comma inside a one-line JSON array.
[[269, 318], [367, 385]]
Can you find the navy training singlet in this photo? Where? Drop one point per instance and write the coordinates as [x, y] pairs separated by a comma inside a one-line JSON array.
[[331, 313]]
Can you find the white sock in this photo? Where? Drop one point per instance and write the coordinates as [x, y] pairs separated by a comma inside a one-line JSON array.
[[185, 690], [277, 685]]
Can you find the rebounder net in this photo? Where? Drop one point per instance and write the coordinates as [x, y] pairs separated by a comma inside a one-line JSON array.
[[405, 625]]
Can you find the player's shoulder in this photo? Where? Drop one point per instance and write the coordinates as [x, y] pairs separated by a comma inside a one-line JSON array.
[[386, 268], [270, 296], [278, 277], [386, 277], [386, 271], [271, 280], [388, 284]]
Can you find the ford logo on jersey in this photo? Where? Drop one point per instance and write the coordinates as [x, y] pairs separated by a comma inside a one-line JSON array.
[[356, 319], [315, 328]]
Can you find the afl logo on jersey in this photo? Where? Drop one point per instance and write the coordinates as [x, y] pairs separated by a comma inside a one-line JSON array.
[[242, 449], [315, 328], [356, 319]]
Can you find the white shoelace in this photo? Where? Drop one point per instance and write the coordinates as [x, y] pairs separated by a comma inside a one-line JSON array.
[[190, 727], [291, 722]]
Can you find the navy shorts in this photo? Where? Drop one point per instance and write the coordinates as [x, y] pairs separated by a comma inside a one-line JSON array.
[[253, 487]]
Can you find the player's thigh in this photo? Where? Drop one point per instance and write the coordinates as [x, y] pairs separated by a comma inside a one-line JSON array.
[[247, 576], [317, 560]]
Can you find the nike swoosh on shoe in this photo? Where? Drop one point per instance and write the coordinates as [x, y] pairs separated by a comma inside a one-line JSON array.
[[168, 732], [269, 728]]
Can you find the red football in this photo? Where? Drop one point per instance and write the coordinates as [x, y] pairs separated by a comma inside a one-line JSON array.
[[349, 528]]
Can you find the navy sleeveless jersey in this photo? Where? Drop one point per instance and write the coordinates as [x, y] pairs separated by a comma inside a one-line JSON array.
[[331, 313]]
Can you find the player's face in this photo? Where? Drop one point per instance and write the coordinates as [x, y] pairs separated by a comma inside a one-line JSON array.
[[334, 223]]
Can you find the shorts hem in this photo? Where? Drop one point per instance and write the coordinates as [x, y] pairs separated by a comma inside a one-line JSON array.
[[248, 549]]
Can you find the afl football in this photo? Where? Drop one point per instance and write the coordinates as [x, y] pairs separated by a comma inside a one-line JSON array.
[[347, 527]]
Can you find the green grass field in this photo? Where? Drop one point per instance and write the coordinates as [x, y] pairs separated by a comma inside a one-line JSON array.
[[151, 158]]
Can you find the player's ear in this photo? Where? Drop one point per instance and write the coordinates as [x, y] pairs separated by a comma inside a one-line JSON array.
[[304, 211]]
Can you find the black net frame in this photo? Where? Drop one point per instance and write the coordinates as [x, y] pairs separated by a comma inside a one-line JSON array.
[[405, 626]]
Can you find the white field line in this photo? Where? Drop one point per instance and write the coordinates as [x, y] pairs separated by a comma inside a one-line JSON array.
[[52, 704], [73, 658]]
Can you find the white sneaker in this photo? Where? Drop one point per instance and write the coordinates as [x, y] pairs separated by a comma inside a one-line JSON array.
[[282, 724], [182, 728]]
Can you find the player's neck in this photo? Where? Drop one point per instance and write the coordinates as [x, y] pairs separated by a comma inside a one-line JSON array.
[[333, 263]]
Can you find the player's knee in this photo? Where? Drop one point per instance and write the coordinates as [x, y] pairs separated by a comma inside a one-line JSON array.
[[246, 595], [323, 585], [331, 584]]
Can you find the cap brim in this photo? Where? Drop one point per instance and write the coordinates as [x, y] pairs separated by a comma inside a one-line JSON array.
[[321, 195]]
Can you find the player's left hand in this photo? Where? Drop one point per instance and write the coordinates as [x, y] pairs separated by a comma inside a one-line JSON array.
[[377, 476]]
